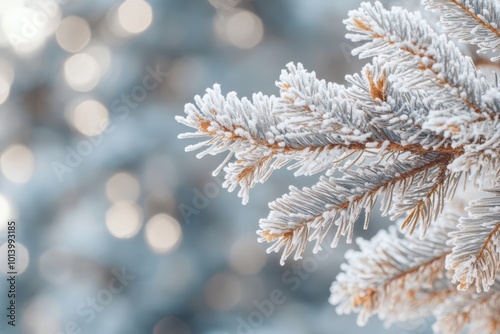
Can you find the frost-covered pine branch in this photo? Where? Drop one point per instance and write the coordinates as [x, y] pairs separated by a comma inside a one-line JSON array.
[[412, 125], [476, 253], [397, 277], [478, 312], [474, 22]]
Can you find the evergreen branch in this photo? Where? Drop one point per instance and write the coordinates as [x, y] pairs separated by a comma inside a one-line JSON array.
[[306, 101], [476, 253], [392, 113], [310, 213], [479, 312], [371, 110], [403, 39], [423, 203], [399, 278], [262, 142], [415, 120], [480, 162], [254, 136], [479, 21]]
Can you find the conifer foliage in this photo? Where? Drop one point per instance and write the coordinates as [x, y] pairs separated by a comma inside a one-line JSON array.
[[412, 125]]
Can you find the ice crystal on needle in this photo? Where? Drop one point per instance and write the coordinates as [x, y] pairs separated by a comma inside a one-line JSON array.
[[415, 122]]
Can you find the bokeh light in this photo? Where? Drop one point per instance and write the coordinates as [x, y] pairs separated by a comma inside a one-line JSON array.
[[5, 8], [241, 28], [17, 163], [22, 258], [28, 27], [82, 72], [98, 182], [73, 33], [90, 118], [122, 187], [4, 90], [41, 315], [171, 325], [246, 257], [53, 265], [223, 292], [101, 53], [6, 78], [163, 233], [135, 16], [124, 219], [6, 71], [7, 212]]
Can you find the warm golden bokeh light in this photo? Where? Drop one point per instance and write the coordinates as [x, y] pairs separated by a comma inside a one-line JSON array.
[[135, 16], [17, 163], [124, 219], [6, 79], [244, 29], [26, 29], [90, 118], [7, 212], [42, 314], [101, 53], [163, 233], [6, 71], [82, 72], [4, 90], [122, 187], [73, 33]]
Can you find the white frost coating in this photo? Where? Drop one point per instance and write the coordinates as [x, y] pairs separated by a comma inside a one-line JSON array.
[[479, 21], [476, 253], [405, 131], [371, 144]]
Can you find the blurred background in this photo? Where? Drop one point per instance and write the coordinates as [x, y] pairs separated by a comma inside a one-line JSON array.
[[118, 229]]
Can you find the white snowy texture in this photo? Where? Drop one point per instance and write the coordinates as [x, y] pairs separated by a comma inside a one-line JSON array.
[[474, 22], [476, 253], [415, 124]]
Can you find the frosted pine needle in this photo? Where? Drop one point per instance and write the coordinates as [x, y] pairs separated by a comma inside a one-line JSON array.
[[416, 123]]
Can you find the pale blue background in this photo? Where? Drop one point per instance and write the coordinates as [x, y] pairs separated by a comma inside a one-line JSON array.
[[70, 215]]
